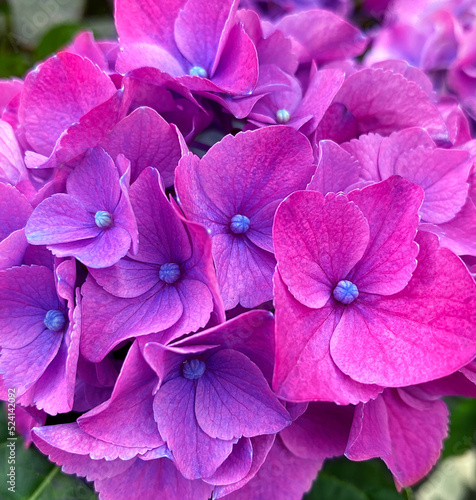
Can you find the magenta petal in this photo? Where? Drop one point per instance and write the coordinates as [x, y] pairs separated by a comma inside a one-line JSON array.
[[147, 21], [261, 446], [233, 399], [391, 209], [370, 434], [143, 55], [442, 174], [244, 271], [65, 443], [195, 453], [417, 432], [317, 243], [12, 249], [201, 27], [95, 182], [54, 390], [321, 432], [131, 403], [57, 94], [26, 294], [14, 210], [322, 36], [162, 234], [251, 333], [383, 102], [236, 466], [283, 476], [22, 367], [237, 72], [147, 140], [107, 320], [150, 478], [242, 185], [91, 128], [104, 250], [336, 169], [12, 167], [79, 453], [128, 278], [60, 219], [427, 328], [304, 369]]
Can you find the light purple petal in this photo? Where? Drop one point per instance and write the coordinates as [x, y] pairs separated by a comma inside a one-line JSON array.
[[233, 399], [195, 453]]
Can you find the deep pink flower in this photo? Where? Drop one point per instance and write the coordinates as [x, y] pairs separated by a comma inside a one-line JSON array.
[[349, 294], [199, 42]]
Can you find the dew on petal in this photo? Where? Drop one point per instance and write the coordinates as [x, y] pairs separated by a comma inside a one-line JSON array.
[[169, 272], [198, 71], [193, 369], [103, 219], [54, 320], [239, 224], [345, 292], [282, 116]]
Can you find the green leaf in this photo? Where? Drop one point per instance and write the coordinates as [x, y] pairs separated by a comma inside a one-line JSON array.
[[55, 39], [36, 478], [462, 435], [330, 488], [371, 478]]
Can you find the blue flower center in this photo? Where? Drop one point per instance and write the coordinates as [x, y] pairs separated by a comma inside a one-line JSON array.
[[345, 292], [193, 369], [282, 116], [54, 320], [198, 71], [169, 272], [103, 219], [239, 224]]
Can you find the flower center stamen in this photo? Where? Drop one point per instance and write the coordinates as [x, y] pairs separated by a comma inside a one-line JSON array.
[[345, 292], [169, 272], [198, 71], [282, 116], [193, 369], [239, 224], [103, 219], [54, 320]]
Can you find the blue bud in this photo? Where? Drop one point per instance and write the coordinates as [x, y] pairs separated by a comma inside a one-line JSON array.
[[169, 272], [345, 292], [193, 369], [239, 224], [198, 71], [54, 320], [282, 116], [103, 219]]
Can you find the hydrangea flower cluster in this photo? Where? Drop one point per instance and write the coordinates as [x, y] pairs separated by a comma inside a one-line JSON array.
[[224, 315]]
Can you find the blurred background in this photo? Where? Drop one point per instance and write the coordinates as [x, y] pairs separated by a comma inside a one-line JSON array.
[[30, 31]]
